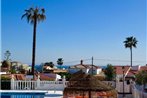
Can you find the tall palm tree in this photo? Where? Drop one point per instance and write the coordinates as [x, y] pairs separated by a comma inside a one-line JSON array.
[[130, 42], [60, 62], [34, 16]]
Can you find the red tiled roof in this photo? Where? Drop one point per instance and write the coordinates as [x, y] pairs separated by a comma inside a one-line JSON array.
[[19, 76], [46, 77], [119, 70], [131, 73], [134, 70], [143, 68], [84, 66]]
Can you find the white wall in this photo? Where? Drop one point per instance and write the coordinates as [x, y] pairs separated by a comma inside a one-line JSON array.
[[138, 93]]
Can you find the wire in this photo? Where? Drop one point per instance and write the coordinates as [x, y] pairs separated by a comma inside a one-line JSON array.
[[113, 60]]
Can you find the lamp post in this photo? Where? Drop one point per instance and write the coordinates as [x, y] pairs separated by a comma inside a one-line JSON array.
[[123, 82]]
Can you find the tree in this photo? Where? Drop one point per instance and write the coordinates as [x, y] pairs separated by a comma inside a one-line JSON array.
[[34, 16], [60, 62], [7, 55], [51, 64], [66, 74], [109, 72], [130, 42], [141, 77]]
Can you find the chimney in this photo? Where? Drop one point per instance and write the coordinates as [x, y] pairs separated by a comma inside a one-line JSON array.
[[81, 62]]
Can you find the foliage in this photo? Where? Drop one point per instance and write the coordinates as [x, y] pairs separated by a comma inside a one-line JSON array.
[[110, 72], [5, 77], [60, 61], [13, 71], [130, 42], [34, 15], [51, 64], [67, 75], [6, 63], [7, 55], [141, 77], [23, 71]]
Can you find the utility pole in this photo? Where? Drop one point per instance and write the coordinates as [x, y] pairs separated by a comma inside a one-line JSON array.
[[123, 68], [92, 65]]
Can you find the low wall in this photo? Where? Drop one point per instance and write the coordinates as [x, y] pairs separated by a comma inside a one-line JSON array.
[[138, 93]]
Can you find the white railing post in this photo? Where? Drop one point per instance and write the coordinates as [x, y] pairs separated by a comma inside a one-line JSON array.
[[12, 82], [38, 82]]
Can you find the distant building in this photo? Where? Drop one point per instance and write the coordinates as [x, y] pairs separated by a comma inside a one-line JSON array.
[[129, 72], [87, 68], [48, 69]]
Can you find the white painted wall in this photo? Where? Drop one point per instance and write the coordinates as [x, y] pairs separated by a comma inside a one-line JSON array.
[[138, 93]]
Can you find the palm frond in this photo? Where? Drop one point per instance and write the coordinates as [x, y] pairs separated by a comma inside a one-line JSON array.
[[43, 10], [130, 42], [33, 14]]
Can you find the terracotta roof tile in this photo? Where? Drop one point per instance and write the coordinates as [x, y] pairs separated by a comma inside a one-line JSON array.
[[84, 66], [119, 70], [143, 68]]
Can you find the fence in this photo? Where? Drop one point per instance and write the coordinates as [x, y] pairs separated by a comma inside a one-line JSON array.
[[38, 85]]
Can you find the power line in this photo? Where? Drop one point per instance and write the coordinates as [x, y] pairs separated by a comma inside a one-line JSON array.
[[117, 60], [113, 60]]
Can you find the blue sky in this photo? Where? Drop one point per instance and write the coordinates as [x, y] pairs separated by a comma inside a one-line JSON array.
[[75, 29]]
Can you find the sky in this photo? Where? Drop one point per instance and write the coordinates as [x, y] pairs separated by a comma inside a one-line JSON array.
[[75, 30]]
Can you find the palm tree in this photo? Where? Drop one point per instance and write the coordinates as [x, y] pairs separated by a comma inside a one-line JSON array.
[[130, 42], [34, 16], [60, 62], [7, 55]]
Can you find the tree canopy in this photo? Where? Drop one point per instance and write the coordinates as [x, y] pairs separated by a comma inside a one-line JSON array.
[[141, 77], [130, 42], [109, 72]]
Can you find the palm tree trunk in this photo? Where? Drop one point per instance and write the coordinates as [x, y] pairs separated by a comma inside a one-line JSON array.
[[131, 55], [34, 47]]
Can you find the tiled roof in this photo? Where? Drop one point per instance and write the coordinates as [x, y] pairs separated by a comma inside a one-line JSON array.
[[45, 76], [131, 72], [84, 66], [143, 68], [119, 69], [19, 76]]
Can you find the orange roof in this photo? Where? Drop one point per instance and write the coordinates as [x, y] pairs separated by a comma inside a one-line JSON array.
[[84, 66], [19, 76], [44, 76], [143, 68], [119, 69]]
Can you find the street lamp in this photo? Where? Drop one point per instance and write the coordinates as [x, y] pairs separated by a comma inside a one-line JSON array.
[[123, 81]]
